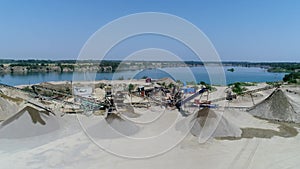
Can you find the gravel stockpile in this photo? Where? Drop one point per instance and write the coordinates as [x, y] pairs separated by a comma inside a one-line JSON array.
[[209, 123], [29, 122], [278, 106]]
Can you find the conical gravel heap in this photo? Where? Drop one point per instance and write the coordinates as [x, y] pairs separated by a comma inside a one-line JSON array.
[[209, 123], [278, 106], [28, 122]]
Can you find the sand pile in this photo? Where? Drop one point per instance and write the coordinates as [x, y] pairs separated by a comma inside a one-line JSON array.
[[129, 114], [28, 122], [278, 106], [293, 93], [208, 123], [7, 108], [120, 125], [127, 111], [113, 126]]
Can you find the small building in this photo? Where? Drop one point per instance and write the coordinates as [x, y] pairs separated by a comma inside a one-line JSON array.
[[141, 90], [148, 80], [84, 91]]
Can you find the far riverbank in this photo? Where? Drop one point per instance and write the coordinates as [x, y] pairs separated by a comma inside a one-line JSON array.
[[184, 74]]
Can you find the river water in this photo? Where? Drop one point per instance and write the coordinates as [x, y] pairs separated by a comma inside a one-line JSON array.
[[241, 74]]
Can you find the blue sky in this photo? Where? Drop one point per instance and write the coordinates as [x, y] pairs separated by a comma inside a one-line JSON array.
[[253, 30]]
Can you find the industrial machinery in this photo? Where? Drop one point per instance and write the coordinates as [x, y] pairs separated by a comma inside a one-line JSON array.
[[122, 101], [182, 101]]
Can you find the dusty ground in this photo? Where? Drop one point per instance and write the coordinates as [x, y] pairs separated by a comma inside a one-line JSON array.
[[261, 143]]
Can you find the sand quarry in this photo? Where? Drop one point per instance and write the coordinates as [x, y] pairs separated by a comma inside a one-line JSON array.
[[258, 132]]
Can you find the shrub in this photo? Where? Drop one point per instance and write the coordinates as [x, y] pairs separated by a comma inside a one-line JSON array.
[[238, 88], [292, 77], [130, 87]]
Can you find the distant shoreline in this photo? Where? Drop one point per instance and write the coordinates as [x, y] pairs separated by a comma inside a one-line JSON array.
[[109, 66]]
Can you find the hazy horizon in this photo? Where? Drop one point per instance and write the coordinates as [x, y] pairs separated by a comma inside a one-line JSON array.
[[223, 61]]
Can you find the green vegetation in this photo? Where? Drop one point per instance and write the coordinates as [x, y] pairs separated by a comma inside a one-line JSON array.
[[144, 77], [47, 93], [284, 67], [179, 82], [27, 89], [278, 70], [191, 83], [171, 85], [208, 86], [121, 78], [293, 77], [112, 65], [23, 64], [163, 84], [202, 83], [230, 70], [35, 61], [275, 84], [244, 83], [68, 66], [239, 87], [130, 87]]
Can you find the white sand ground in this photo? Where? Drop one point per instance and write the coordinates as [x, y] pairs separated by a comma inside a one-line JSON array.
[[7, 108], [70, 148], [67, 146]]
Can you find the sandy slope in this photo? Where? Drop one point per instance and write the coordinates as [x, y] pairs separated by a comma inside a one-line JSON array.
[[206, 119], [67, 145], [7, 108], [278, 106]]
